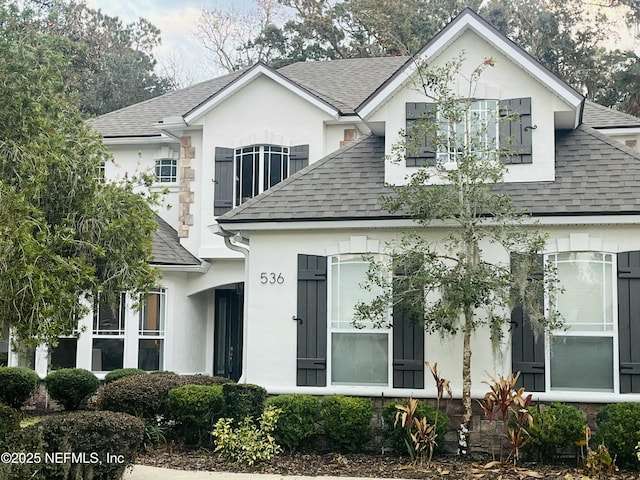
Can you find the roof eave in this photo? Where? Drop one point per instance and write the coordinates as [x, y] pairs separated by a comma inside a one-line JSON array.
[[259, 69]]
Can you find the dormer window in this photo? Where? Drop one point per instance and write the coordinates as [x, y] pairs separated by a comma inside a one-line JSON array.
[[482, 137], [166, 170], [495, 123], [258, 168]]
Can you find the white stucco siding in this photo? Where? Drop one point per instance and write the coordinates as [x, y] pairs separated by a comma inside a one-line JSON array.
[[131, 160], [505, 80], [271, 347], [263, 112], [271, 332]]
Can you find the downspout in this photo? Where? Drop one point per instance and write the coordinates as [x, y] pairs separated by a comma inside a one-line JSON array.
[[242, 247]]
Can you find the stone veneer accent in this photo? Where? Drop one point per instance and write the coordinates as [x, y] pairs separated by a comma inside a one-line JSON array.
[[186, 196]]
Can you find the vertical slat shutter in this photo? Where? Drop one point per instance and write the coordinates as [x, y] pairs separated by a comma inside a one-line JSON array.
[[408, 351], [629, 321], [312, 321], [515, 133], [527, 353], [420, 151], [223, 172], [408, 343], [298, 158]]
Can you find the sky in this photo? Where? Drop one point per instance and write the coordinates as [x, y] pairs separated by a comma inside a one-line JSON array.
[[176, 20]]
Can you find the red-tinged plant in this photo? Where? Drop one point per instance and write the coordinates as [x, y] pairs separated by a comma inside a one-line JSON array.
[[519, 436]]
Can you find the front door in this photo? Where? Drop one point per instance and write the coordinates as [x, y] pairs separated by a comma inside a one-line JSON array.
[[228, 333]]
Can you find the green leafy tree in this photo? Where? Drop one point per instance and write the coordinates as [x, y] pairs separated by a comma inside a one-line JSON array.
[[111, 65], [64, 233], [448, 285], [570, 37]]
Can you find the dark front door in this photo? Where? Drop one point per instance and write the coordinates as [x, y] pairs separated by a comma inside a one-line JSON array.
[[227, 355]]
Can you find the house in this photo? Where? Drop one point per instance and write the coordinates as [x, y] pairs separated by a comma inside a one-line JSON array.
[[274, 179]]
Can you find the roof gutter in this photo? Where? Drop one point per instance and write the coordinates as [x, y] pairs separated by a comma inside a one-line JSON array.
[[202, 268]]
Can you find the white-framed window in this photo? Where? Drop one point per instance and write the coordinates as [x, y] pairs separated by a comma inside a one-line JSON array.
[[166, 170], [64, 354], [358, 356], [258, 168], [108, 335], [589, 343], [151, 331], [480, 137]]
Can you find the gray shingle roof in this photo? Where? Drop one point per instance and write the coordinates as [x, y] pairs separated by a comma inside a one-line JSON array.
[[344, 84], [345, 184], [167, 249], [138, 120], [598, 116], [594, 175]]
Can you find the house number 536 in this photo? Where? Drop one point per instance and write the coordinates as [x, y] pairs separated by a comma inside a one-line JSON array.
[[271, 278]]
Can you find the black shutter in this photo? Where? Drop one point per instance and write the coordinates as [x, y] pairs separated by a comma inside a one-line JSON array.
[[515, 133], [298, 158], [408, 332], [629, 321], [312, 321], [223, 172], [419, 149], [527, 353]]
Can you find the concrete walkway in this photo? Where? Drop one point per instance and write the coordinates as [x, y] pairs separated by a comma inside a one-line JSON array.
[[141, 472]]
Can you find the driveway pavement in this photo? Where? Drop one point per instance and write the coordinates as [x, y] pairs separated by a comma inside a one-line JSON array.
[[141, 472]]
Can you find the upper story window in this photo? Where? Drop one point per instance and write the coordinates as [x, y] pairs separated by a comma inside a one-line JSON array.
[[504, 123], [244, 172], [476, 132], [166, 170], [259, 168]]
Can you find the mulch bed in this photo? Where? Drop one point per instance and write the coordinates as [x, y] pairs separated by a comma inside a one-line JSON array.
[[370, 465]]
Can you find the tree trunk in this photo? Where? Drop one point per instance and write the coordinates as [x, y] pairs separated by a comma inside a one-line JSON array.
[[463, 432]]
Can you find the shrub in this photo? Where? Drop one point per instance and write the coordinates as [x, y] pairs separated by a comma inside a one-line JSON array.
[[247, 443], [146, 395], [195, 408], [396, 436], [119, 373], [243, 400], [619, 429], [70, 386], [298, 419], [16, 385], [554, 429], [9, 421], [347, 421], [90, 436]]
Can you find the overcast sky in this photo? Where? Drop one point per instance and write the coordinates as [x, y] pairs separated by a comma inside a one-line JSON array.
[[176, 19]]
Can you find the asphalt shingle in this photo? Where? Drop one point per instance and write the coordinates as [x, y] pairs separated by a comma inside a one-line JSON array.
[[598, 116], [167, 249], [595, 175]]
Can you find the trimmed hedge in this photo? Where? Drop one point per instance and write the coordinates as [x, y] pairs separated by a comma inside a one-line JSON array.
[[195, 408], [146, 395], [555, 428], [396, 436], [619, 429], [70, 386], [347, 421], [9, 421], [90, 436], [243, 400], [119, 373], [16, 385], [298, 419]]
